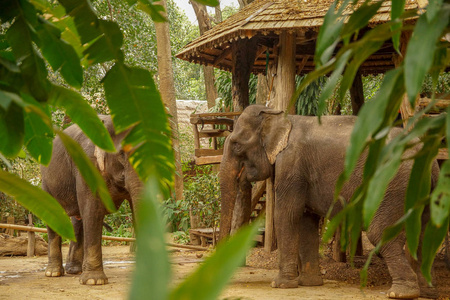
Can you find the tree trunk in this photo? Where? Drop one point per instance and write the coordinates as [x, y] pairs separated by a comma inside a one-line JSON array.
[[204, 24], [218, 14], [357, 94], [167, 90], [243, 3], [262, 89], [243, 59]]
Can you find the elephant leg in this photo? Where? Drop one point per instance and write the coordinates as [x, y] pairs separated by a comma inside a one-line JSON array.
[[92, 213], [309, 269], [288, 214], [404, 279], [55, 264], [426, 291], [74, 261]]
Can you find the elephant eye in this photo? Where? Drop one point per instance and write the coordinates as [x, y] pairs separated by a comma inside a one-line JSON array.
[[237, 148]]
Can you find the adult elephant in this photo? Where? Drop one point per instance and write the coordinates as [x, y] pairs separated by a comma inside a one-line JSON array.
[[306, 159], [63, 181]]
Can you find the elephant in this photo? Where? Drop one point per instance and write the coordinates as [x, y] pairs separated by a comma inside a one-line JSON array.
[[63, 181], [306, 159]]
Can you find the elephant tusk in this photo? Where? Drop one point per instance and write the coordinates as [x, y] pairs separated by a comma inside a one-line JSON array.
[[240, 173]]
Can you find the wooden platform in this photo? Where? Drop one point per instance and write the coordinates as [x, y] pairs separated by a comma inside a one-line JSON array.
[[211, 126]]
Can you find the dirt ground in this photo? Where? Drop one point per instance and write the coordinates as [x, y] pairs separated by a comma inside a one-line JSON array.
[[23, 278]]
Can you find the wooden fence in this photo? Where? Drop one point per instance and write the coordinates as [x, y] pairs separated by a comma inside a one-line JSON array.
[[31, 238]]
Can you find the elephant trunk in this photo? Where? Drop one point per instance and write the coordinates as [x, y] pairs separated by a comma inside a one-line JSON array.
[[229, 173], [134, 187]]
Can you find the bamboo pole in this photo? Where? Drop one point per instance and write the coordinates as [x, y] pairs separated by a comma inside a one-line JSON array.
[[104, 237]]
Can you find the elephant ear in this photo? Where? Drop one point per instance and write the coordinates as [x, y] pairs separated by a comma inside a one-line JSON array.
[[274, 132]]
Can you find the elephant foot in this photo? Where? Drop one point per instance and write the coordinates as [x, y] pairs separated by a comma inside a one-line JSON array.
[[284, 283], [310, 280], [93, 278], [54, 271], [404, 291], [73, 268], [429, 292]]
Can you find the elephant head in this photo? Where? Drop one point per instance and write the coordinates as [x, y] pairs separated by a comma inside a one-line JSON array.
[[249, 154], [116, 169]]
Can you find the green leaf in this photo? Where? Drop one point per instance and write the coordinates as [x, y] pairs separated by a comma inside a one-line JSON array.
[[212, 276], [329, 34], [39, 202], [362, 49], [104, 38], [432, 239], [149, 140], [440, 197], [420, 51], [153, 10], [360, 18], [208, 2], [433, 8], [332, 82], [12, 128], [33, 69], [82, 114], [38, 132], [397, 9], [370, 120], [107, 46], [87, 169], [152, 273], [59, 54], [416, 193]]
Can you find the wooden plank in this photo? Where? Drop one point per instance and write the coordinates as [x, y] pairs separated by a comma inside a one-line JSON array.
[[208, 160], [443, 153], [440, 105], [269, 239], [104, 237], [221, 114], [196, 137], [208, 152], [213, 133], [211, 120]]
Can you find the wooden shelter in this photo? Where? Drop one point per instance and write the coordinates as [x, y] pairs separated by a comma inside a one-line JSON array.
[[278, 38]]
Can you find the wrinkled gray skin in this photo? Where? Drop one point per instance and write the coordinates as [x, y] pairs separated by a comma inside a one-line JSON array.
[[306, 159], [62, 180]]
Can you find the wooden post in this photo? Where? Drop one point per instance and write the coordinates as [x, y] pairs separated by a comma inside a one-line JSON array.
[[31, 238], [269, 234], [284, 81], [9, 231], [357, 93], [133, 244], [405, 108], [243, 53]]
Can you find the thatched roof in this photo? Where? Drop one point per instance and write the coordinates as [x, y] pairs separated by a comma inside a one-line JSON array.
[[266, 19]]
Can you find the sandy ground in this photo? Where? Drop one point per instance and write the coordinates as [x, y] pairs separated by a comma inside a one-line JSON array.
[[23, 278]]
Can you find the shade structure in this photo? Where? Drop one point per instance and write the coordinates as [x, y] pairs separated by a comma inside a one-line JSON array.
[[265, 20]]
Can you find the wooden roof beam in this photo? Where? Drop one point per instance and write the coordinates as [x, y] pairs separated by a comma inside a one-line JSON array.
[[222, 56]]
